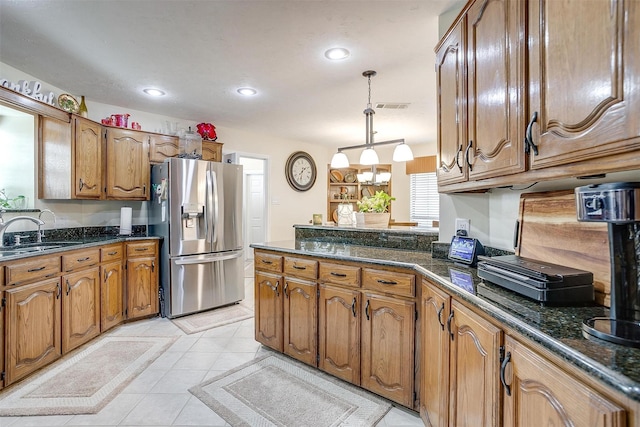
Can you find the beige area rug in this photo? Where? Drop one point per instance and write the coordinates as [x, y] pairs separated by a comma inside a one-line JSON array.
[[213, 318], [276, 390], [84, 381]]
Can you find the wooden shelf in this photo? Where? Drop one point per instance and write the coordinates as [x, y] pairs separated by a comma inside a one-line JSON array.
[[354, 190]]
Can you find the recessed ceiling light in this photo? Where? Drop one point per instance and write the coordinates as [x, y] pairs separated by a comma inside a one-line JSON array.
[[153, 92], [337, 53], [247, 91]]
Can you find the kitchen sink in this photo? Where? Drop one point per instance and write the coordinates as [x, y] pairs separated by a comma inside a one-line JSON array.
[[33, 247]]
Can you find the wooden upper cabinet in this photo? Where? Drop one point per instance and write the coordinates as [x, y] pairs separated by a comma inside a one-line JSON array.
[[86, 171], [496, 121], [162, 147], [127, 165], [584, 91], [212, 151], [452, 106], [539, 393]]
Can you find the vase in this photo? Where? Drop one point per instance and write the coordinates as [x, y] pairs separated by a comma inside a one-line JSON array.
[[372, 219], [82, 110]]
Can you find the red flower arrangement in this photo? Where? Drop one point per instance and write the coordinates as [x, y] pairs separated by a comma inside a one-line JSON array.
[[207, 131]]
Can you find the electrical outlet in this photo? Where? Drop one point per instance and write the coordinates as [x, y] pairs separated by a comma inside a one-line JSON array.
[[463, 224]]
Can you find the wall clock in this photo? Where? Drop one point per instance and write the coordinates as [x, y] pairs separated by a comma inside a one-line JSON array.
[[300, 171]]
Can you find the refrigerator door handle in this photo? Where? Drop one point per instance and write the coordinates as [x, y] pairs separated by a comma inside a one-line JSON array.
[[216, 205], [203, 260], [208, 224]]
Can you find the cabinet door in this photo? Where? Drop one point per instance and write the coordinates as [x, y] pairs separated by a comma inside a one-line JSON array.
[[474, 398], [301, 320], [33, 333], [87, 159], [162, 147], [142, 287], [80, 308], [451, 100], [434, 380], [127, 165], [388, 333], [495, 53], [339, 332], [268, 310], [584, 92], [111, 308], [212, 151], [538, 393]]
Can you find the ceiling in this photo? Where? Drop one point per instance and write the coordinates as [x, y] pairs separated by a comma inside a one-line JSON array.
[[201, 51]]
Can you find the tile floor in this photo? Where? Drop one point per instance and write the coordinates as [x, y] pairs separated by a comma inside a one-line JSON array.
[[159, 395]]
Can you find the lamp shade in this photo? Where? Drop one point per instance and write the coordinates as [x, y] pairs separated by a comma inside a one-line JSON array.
[[402, 153], [369, 157], [339, 160]]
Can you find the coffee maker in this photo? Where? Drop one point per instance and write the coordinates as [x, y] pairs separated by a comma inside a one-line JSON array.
[[617, 204]]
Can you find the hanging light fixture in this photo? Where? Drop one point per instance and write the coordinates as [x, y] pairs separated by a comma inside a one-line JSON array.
[[402, 152]]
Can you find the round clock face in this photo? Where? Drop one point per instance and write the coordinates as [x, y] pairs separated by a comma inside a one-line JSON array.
[[300, 171]]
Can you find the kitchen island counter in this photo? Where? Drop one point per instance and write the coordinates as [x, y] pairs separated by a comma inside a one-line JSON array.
[[557, 329]]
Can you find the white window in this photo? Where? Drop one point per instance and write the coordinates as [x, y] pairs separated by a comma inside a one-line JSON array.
[[424, 199]]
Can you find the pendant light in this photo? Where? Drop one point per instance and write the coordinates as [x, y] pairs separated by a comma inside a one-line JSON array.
[[402, 152]]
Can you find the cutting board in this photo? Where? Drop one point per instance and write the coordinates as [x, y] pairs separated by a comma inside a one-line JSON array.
[[549, 231]]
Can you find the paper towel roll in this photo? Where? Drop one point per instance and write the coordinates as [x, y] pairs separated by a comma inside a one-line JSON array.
[[125, 220]]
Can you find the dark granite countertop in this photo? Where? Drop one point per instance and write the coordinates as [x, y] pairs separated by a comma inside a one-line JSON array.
[[559, 329], [397, 229]]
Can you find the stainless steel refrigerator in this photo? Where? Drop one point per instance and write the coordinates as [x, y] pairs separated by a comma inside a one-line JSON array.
[[197, 207]]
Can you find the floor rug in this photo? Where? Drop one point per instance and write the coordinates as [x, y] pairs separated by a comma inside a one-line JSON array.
[[213, 318], [275, 390], [83, 381]]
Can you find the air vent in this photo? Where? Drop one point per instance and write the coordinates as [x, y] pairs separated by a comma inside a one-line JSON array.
[[393, 105]]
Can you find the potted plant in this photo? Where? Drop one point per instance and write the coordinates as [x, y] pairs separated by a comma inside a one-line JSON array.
[[374, 210]]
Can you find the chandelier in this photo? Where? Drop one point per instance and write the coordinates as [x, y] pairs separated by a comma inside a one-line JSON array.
[[401, 153]]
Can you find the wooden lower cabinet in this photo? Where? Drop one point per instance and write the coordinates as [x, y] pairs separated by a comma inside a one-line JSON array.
[[111, 304], [80, 308], [142, 279], [387, 347], [33, 328], [460, 365], [300, 320], [268, 310], [537, 393], [339, 332]]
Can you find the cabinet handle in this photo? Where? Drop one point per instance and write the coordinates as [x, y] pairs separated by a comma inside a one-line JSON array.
[[68, 288], [141, 249], [144, 189], [58, 290], [81, 184], [264, 261], [387, 282], [353, 307], [105, 276], [36, 269], [366, 310], [112, 253], [528, 139], [466, 155], [276, 288], [333, 273], [298, 267], [458, 157], [153, 266], [83, 259], [503, 367], [286, 286], [440, 317], [449, 324]]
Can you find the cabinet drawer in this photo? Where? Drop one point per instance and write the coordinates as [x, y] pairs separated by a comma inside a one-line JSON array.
[[302, 268], [389, 281], [139, 249], [32, 270], [338, 274], [267, 262], [111, 252], [80, 259]]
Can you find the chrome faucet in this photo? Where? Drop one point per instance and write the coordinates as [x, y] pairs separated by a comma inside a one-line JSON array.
[[41, 232], [4, 224]]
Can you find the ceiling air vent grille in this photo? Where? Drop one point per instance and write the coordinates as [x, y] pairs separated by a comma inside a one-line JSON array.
[[393, 105]]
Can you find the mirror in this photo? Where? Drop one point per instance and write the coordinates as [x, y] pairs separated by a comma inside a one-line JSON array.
[[17, 158]]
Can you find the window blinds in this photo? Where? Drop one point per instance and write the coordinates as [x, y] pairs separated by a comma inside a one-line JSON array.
[[424, 205]]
